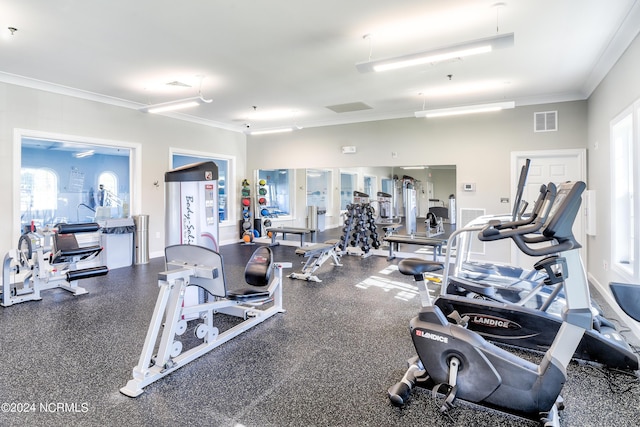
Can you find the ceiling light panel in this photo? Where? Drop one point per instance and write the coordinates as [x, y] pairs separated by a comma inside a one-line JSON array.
[[458, 50], [466, 109], [178, 104]]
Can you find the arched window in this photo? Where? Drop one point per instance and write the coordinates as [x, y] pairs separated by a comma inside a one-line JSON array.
[[108, 183]]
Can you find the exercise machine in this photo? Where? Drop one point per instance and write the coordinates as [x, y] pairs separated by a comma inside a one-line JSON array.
[[317, 255], [410, 203], [518, 213], [503, 306], [51, 260], [386, 214], [190, 265], [456, 362], [191, 210], [434, 225]]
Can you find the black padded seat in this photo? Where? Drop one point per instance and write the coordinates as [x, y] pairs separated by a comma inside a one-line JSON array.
[[628, 298], [317, 248], [247, 294], [417, 266]]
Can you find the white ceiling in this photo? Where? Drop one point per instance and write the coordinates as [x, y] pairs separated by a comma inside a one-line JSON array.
[[297, 57]]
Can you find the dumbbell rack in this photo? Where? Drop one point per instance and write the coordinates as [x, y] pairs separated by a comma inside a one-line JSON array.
[[359, 231]]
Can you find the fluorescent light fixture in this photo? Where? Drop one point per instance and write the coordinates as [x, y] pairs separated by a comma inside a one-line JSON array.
[[413, 167], [276, 130], [83, 154], [466, 109], [175, 105], [459, 50]]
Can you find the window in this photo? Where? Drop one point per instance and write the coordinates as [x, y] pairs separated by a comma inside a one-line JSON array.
[[387, 185], [624, 234], [347, 187], [60, 180], [370, 186], [318, 188], [278, 189], [224, 167], [108, 190]]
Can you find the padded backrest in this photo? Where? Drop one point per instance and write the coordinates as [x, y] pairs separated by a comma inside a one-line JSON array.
[[258, 269], [65, 249], [64, 242], [440, 211], [177, 256]]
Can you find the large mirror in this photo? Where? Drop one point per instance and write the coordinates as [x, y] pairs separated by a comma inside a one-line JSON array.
[[413, 191]]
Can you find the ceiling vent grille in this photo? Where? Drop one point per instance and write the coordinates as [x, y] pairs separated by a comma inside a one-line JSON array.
[[347, 108], [546, 121]]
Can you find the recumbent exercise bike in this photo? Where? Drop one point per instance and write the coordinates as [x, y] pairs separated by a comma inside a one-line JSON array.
[[456, 362]]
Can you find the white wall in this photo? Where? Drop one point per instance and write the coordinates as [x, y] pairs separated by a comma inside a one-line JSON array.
[[619, 89], [36, 110], [478, 145]]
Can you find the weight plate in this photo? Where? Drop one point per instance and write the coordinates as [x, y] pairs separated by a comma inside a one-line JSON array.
[[176, 349]]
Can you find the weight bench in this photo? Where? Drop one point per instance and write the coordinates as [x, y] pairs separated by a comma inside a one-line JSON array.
[[395, 240], [316, 256], [290, 230]]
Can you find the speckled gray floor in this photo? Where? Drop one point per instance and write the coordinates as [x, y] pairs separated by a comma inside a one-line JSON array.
[[327, 361]]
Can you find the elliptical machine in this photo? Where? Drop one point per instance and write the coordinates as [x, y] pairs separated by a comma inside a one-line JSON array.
[[458, 363], [526, 313]]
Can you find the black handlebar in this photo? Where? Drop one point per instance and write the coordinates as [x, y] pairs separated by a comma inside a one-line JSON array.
[[554, 217], [496, 230]]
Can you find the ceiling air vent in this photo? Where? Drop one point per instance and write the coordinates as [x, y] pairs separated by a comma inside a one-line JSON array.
[[546, 121], [347, 108]]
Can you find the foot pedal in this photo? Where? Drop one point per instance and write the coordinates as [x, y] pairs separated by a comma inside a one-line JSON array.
[[449, 393], [457, 319]]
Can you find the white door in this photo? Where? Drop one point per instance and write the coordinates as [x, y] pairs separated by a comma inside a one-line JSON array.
[[549, 166]]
